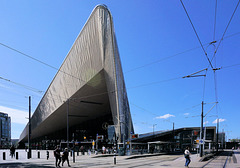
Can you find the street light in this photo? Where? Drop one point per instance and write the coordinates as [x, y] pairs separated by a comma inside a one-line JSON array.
[[68, 127], [29, 130], [153, 127]]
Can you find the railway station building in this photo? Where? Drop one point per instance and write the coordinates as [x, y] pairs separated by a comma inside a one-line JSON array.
[[87, 99]]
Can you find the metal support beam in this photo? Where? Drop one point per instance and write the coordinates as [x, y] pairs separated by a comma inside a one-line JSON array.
[[201, 133], [29, 130], [67, 123]]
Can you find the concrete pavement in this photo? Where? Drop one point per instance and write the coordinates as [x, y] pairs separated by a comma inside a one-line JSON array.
[[107, 161]]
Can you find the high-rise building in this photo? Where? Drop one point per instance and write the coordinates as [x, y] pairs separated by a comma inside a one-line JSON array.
[[5, 130]]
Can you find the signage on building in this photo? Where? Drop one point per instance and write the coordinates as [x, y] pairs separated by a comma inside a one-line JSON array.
[[134, 136], [201, 141]]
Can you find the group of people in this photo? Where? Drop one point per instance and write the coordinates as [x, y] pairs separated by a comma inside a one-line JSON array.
[[61, 157]]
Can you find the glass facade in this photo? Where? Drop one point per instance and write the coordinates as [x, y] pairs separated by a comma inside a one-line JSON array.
[[179, 139], [5, 130]]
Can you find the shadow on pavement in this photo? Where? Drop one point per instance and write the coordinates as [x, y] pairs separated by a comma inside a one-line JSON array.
[[27, 165], [225, 153]]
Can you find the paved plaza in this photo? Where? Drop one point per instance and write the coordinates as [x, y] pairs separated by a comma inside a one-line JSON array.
[[107, 161]]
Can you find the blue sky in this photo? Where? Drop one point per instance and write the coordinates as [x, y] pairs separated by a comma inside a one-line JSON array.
[[157, 46]]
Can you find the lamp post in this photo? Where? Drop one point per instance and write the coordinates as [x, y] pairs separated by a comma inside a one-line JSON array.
[[67, 123], [29, 130], [201, 133], [153, 127]]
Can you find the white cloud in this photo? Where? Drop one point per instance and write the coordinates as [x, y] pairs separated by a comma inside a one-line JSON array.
[[165, 116], [219, 120], [17, 116], [186, 114], [206, 122]]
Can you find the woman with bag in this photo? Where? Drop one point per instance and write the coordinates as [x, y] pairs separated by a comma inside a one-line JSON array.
[[187, 157]]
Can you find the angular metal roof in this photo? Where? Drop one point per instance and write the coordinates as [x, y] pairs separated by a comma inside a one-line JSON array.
[[91, 78]]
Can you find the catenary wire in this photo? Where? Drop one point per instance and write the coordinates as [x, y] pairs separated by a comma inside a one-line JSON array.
[[143, 85], [165, 58], [196, 34], [215, 75], [160, 60], [214, 71], [229, 66], [225, 30], [22, 85], [174, 55], [46, 64], [215, 20], [126, 72], [11, 48]]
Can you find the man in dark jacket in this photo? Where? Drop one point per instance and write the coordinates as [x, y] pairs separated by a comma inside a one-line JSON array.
[[65, 157], [57, 156]]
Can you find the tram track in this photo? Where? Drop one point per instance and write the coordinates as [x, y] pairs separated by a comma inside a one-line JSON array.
[[220, 160]]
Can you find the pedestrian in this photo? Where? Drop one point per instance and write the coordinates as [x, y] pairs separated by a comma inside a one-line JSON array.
[[103, 150], [187, 156], [57, 156], [12, 151], [82, 150], [65, 157]]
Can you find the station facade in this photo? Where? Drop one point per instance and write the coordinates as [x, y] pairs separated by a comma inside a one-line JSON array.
[[175, 140], [87, 97]]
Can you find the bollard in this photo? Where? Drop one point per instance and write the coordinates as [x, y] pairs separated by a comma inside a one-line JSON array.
[[4, 156], [29, 155], [47, 155], [38, 155], [73, 156], [115, 159], [17, 155]]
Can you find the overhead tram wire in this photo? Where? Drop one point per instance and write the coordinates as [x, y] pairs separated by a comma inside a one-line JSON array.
[[143, 109], [229, 66], [143, 85], [35, 90], [46, 64], [214, 70], [215, 20], [196, 34], [128, 71], [160, 60], [174, 55], [22, 85], [210, 63], [225, 30], [15, 92], [26, 55], [155, 115]]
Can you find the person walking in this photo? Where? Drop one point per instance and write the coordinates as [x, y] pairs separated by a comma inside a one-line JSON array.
[[12, 151], [57, 156], [187, 156], [65, 157]]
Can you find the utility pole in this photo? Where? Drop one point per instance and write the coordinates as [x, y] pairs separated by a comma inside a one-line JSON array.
[[29, 130], [173, 131], [217, 134], [173, 138], [67, 123], [153, 127], [201, 133], [222, 137]]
